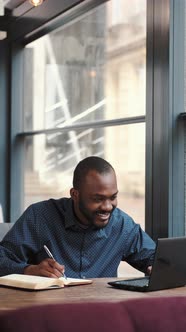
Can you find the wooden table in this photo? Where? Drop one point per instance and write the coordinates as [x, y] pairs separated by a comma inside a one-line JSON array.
[[98, 291]]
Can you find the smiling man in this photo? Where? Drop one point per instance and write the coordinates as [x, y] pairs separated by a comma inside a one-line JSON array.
[[86, 233]]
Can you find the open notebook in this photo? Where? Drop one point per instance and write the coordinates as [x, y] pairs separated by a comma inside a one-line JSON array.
[[38, 283], [168, 271]]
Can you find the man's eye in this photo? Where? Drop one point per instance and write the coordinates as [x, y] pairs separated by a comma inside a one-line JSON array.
[[113, 198], [97, 200]]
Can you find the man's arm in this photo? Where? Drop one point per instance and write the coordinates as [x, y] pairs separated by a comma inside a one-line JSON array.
[[142, 250], [21, 244], [149, 270]]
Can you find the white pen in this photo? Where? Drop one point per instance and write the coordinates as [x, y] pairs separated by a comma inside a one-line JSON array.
[[51, 256]]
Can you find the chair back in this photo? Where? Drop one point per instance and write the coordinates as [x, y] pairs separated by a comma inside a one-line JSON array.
[[137, 315], [4, 228]]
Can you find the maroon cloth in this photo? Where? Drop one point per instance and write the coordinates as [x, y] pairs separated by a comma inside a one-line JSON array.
[[139, 315]]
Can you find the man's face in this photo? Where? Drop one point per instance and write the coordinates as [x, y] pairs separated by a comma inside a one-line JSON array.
[[96, 199]]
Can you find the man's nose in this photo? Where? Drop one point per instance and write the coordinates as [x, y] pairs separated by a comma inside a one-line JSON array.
[[107, 205]]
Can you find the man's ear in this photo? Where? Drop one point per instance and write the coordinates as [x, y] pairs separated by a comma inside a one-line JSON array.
[[74, 194]]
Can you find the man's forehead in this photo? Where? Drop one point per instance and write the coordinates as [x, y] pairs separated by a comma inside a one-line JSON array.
[[99, 182], [93, 173], [101, 195]]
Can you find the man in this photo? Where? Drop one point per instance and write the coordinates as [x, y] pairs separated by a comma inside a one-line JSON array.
[[87, 234]]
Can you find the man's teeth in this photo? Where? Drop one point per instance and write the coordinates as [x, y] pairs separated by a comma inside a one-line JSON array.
[[103, 214]]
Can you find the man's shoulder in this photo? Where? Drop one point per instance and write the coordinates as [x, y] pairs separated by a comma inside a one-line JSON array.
[[118, 213], [121, 218], [50, 204]]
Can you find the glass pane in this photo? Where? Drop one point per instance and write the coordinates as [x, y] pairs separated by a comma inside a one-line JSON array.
[[51, 159], [91, 69]]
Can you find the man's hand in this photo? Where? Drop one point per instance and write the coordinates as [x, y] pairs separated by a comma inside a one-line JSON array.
[[47, 268]]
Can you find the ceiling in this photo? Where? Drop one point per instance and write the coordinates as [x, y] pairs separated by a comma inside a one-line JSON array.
[[13, 9], [12, 4], [21, 19]]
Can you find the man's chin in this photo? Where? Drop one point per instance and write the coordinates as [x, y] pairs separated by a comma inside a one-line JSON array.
[[101, 224]]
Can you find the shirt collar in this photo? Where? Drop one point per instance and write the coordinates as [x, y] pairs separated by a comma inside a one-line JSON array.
[[69, 215], [71, 221]]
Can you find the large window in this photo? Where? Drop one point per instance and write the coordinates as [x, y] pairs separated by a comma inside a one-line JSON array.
[[84, 94]]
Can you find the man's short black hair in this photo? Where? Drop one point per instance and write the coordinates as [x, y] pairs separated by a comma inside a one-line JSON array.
[[98, 164]]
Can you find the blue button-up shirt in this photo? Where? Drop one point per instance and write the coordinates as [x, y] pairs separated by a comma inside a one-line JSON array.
[[86, 253]]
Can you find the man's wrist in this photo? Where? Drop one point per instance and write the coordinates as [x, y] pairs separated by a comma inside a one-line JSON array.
[[28, 269]]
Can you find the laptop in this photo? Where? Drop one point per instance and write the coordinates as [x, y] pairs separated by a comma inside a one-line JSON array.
[[168, 271]]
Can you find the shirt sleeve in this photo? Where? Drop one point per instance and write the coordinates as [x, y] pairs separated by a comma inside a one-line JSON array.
[[142, 249], [15, 248]]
